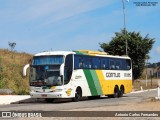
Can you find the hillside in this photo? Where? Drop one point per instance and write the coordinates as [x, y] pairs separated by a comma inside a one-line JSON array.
[[11, 65]]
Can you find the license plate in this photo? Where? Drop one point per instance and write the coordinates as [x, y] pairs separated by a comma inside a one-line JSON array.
[[44, 95]]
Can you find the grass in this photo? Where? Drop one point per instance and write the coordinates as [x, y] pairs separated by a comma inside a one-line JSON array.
[[11, 65]]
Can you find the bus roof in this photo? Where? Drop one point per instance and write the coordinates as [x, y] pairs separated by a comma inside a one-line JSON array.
[[98, 53], [54, 53], [80, 52]]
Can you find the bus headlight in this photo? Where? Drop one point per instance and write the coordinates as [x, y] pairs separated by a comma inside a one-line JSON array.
[[57, 90]]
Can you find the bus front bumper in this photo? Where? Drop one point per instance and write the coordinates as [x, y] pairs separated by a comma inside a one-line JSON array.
[[47, 95]]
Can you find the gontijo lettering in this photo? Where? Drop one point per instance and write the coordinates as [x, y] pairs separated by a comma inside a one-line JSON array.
[[113, 75]]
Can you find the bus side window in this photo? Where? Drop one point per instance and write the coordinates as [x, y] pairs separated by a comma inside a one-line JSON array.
[[81, 62], [112, 65], [89, 63], [99, 63], [128, 64], [107, 64], [118, 64], [103, 65], [96, 63], [76, 62], [85, 63]]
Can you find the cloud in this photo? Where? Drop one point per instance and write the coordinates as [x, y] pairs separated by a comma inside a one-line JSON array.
[[158, 49], [61, 9], [50, 10]]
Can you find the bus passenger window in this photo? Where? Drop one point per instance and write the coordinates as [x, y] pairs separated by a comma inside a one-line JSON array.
[[112, 65], [90, 63], [96, 63], [103, 64], [118, 65], [107, 64], [128, 65], [81, 63]]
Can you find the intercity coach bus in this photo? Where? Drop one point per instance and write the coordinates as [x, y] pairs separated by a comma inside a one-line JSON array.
[[77, 74]]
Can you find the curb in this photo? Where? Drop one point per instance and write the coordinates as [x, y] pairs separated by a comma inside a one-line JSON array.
[[11, 99]]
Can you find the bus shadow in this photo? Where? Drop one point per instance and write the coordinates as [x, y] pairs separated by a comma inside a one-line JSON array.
[[60, 101]]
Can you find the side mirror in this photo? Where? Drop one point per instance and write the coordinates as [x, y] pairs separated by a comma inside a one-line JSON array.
[[25, 69], [62, 69], [61, 77], [62, 73]]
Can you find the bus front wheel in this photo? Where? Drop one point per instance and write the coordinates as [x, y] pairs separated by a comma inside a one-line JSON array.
[[78, 95]]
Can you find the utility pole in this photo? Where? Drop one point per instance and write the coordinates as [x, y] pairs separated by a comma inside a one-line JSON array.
[[125, 26], [146, 71]]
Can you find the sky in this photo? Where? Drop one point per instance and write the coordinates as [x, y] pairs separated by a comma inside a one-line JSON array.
[[43, 25]]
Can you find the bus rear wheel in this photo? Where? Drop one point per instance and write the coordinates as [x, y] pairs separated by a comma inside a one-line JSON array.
[[78, 95], [116, 92], [121, 91]]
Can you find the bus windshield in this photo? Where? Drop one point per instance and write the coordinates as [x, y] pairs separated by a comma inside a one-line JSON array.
[[45, 75], [49, 60]]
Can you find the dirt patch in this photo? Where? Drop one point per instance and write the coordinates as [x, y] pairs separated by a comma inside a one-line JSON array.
[[139, 84]]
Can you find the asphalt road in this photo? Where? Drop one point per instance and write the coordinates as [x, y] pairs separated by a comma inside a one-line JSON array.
[[64, 105]]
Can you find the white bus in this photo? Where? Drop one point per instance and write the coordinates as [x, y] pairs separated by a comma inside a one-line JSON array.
[[77, 74]]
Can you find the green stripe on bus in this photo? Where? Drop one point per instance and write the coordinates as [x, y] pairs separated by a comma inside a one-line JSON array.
[[96, 82], [90, 82], [80, 53]]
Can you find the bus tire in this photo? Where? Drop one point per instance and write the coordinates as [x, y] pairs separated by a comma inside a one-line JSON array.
[[121, 91], [78, 95], [116, 92]]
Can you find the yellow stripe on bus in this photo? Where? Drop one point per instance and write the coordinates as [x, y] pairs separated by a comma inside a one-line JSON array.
[[108, 85]]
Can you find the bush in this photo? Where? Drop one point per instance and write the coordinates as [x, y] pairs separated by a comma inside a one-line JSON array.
[[1, 77], [11, 71]]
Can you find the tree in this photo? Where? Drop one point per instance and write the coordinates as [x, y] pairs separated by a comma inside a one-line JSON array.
[[12, 45], [138, 48]]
